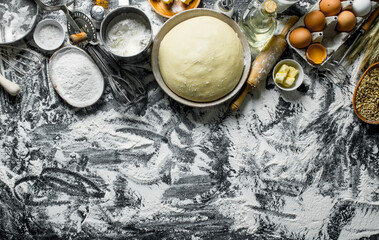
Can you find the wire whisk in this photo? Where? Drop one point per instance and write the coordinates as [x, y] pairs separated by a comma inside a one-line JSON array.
[[126, 88], [23, 61]]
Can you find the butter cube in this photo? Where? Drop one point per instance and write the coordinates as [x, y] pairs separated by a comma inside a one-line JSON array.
[[279, 77], [167, 1], [281, 74], [289, 81], [284, 68], [186, 1], [292, 72]]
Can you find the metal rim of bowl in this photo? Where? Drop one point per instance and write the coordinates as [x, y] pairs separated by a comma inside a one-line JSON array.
[[31, 26], [172, 22], [116, 12], [53, 22]]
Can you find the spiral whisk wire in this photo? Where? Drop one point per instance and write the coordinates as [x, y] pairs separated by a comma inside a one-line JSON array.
[[24, 61]]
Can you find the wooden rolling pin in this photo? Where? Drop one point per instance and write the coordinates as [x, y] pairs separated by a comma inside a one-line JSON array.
[[11, 87], [265, 61]]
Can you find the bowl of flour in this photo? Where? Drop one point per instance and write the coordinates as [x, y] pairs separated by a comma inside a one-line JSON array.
[[127, 34], [76, 77], [49, 35]]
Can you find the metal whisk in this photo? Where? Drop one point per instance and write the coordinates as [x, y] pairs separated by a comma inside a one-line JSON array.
[[23, 61], [126, 88]]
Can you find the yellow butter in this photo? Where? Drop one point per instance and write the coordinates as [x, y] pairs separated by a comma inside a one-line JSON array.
[[289, 81], [292, 72], [279, 77], [281, 74]]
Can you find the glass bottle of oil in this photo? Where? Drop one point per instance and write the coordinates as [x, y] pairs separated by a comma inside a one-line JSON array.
[[259, 22]]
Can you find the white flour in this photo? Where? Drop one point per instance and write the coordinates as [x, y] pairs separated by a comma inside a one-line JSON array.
[[77, 78], [16, 19], [50, 36], [128, 37]]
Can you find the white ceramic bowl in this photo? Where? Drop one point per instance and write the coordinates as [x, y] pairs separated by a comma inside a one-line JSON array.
[[49, 39], [299, 77]]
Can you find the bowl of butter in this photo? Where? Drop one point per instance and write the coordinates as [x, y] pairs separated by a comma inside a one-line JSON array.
[[288, 75]]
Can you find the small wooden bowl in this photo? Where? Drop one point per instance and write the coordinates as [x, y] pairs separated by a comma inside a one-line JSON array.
[[375, 65], [169, 10]]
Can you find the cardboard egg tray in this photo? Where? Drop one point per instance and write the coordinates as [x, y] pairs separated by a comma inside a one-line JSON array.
[[329, 37]]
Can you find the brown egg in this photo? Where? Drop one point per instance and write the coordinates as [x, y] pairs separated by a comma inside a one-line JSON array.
[[330, 7], [300, 37], [346, 21], [316, 53], [315, 21]]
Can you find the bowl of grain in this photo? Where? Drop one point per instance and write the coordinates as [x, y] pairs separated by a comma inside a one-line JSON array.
[[366, 96]]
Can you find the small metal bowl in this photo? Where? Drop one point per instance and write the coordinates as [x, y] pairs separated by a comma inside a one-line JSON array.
[[118, 15], [59, 38], [175, 20]]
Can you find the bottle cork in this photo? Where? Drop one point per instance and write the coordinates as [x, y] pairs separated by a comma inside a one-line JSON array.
[[270, 7]]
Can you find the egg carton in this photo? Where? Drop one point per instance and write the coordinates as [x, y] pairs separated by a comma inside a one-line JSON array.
[[329, 37]]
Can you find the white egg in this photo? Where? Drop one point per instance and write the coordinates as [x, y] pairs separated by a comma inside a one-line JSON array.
[[361, 7]]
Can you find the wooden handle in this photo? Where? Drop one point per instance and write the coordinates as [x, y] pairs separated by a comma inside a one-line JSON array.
[[78, 38], [240, 97], [11, 87], [291, 21], [371, 19], [265, 61]]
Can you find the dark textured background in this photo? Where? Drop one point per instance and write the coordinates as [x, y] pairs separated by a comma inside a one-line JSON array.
[[294, 165]]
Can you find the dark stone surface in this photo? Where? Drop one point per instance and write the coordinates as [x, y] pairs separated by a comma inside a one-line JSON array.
[[296, 165]]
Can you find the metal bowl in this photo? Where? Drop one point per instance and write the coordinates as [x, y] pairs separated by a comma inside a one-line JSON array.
[[19, 30], [118, 15], [171, 23]]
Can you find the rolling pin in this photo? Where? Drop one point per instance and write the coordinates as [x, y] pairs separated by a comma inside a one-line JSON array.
[[11, 87], [264, 62]]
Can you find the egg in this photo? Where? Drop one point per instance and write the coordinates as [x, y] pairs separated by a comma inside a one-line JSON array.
[[361, 7], [346, 21], [316, 53], [315, 21], [330, 7], [300, 37]]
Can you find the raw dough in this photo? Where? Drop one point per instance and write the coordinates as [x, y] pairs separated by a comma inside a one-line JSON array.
[[201, 59]]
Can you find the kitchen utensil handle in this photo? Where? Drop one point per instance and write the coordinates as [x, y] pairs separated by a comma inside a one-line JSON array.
[[11, 87], [78, 38], [240, 97], [291, 21], [371, 19]]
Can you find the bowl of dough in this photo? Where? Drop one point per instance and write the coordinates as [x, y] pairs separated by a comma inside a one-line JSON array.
[[200, 58]]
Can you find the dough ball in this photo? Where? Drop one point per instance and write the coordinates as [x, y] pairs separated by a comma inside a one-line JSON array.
[[201, 59]]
